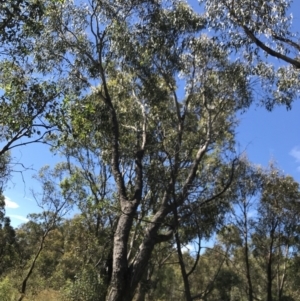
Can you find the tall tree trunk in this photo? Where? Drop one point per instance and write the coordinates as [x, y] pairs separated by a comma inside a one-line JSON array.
[[248, 275], [32, 266], [141, 293], [184, 274], [125, 278], [120, 274], [269, 267], [269, 278], [187, 290], [250, 288], [143, 287]]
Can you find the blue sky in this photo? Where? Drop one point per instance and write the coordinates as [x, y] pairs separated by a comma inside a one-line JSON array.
[[263, 135], [266, 136], [19, 200]]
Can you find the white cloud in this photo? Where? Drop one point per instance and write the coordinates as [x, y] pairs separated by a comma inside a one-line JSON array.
[[251, 213], [10, 204], [295, 153], [19, 217]]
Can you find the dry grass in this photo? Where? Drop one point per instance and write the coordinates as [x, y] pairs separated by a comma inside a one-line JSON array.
[[46, 295]]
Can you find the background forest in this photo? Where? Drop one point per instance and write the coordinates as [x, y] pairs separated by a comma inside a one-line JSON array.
[[152, 199]]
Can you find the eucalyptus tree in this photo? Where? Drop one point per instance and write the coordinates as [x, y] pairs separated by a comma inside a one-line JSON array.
[[17, 14], [7, 233], [257, 31], [245, 192], [25, 96], [7, 240], [119, 68], [54, 207], [276, 230], [197, 224], [89, 187], [145, 106], [263, 231]]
